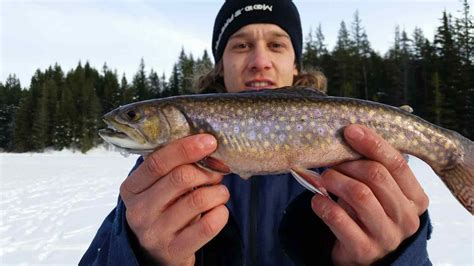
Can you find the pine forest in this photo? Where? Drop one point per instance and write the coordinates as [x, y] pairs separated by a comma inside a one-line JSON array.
[[436, 78]]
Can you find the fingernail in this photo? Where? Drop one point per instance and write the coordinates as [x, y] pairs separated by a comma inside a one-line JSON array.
[[314, 204], [319, 207], [207, 141], [355, 133], [223, 190]]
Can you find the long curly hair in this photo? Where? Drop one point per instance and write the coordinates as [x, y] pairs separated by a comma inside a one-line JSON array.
[[211, 80]]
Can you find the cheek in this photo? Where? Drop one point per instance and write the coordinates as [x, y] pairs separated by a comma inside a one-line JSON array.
[[289, 74], [230, 79], [232, 71]]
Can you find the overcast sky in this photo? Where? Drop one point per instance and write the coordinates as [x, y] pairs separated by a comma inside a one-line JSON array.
[[38, 33]]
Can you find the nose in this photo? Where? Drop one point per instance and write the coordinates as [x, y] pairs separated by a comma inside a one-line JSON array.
[[260, 59]]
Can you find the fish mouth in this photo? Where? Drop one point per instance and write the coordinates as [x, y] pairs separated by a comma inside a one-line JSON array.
[[111, 132], [124, 136]]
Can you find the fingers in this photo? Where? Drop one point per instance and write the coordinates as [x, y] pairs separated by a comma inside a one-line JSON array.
[[379, 202], [176, 183], [192, 238], [345, 229], [360, 198], [194, 203], [157, 223], [381, 183], [161, 162], [144, 208], [374, 147]]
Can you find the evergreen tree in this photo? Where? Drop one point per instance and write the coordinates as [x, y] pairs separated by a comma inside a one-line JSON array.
[[464, 34], [316, 56], [186, 69], [25, 138], [175, 81], [398, 69], [10, 96], [22, 137], [418, 43], [434, 78], [165, 85], [75, 80], [362, 53], [66, 111], [155, 84], [343, 83], [315, 50], [204, 64], [438, 99], [140, 84], [126, 91], [320, 44], [310, 52], [359, 37], [423, 61], [343, 42], [449, 69], [109, 91], [90, 117], [42, 123], [464, 37], [405, 64]]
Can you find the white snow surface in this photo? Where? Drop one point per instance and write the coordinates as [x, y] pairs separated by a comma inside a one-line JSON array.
[[52, 203]]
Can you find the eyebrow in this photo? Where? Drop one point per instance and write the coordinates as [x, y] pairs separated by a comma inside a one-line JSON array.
[[273, 33]]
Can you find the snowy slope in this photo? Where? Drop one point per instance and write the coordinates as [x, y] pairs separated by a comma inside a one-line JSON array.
[[51, 205]]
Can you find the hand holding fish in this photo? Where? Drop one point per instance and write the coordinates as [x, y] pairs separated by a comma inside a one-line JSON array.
[[379, 204], [164, 211]]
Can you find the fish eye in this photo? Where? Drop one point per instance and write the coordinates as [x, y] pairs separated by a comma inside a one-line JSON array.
[[132, 115]]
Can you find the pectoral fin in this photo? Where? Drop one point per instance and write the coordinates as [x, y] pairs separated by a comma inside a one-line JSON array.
[[214, 165], [310, 180]]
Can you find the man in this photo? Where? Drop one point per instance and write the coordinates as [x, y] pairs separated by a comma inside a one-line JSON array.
[[172, 212]]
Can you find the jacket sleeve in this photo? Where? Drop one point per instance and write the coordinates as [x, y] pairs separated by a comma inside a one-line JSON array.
[[300, 227], [413, 251], [112, 244]]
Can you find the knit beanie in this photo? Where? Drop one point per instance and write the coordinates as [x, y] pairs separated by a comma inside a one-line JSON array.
[[235, 14]]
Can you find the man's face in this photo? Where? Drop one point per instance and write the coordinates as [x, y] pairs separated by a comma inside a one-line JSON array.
[[258, 56]]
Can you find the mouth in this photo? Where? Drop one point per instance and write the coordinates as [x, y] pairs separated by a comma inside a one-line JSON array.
[[116, 134], [111, 132], [259, 84]]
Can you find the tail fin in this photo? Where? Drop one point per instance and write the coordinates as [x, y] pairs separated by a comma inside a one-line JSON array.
[[460, 178]]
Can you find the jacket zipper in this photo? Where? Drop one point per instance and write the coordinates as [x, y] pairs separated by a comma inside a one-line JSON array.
[[253, 220]]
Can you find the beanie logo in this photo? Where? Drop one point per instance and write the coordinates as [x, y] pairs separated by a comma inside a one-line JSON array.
[[238, 12]]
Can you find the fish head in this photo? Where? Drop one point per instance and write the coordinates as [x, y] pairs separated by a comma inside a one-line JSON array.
[[137, 127]]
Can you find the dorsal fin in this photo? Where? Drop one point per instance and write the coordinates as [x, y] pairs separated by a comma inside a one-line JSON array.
[[406, 108]]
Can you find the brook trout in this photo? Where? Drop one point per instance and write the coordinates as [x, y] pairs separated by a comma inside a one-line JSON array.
[[289, 130]]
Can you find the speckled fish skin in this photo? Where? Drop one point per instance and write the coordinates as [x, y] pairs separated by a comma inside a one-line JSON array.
[[278, 130]]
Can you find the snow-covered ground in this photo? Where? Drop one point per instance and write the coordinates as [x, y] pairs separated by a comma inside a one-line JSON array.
[[51, 205]]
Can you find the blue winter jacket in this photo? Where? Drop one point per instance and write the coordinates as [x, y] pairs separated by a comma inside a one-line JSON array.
[[270, 223]]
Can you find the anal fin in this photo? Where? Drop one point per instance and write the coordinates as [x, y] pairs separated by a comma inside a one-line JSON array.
[[212, 164], [310, 180]]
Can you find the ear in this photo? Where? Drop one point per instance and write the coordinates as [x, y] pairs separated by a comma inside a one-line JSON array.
[[295, 70], [221, 69]]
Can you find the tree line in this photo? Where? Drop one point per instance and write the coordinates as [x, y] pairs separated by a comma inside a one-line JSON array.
[[63, 110]]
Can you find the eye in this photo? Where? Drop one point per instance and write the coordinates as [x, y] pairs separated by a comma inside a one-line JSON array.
[[131, 115], [241, 46], [277, 45]]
